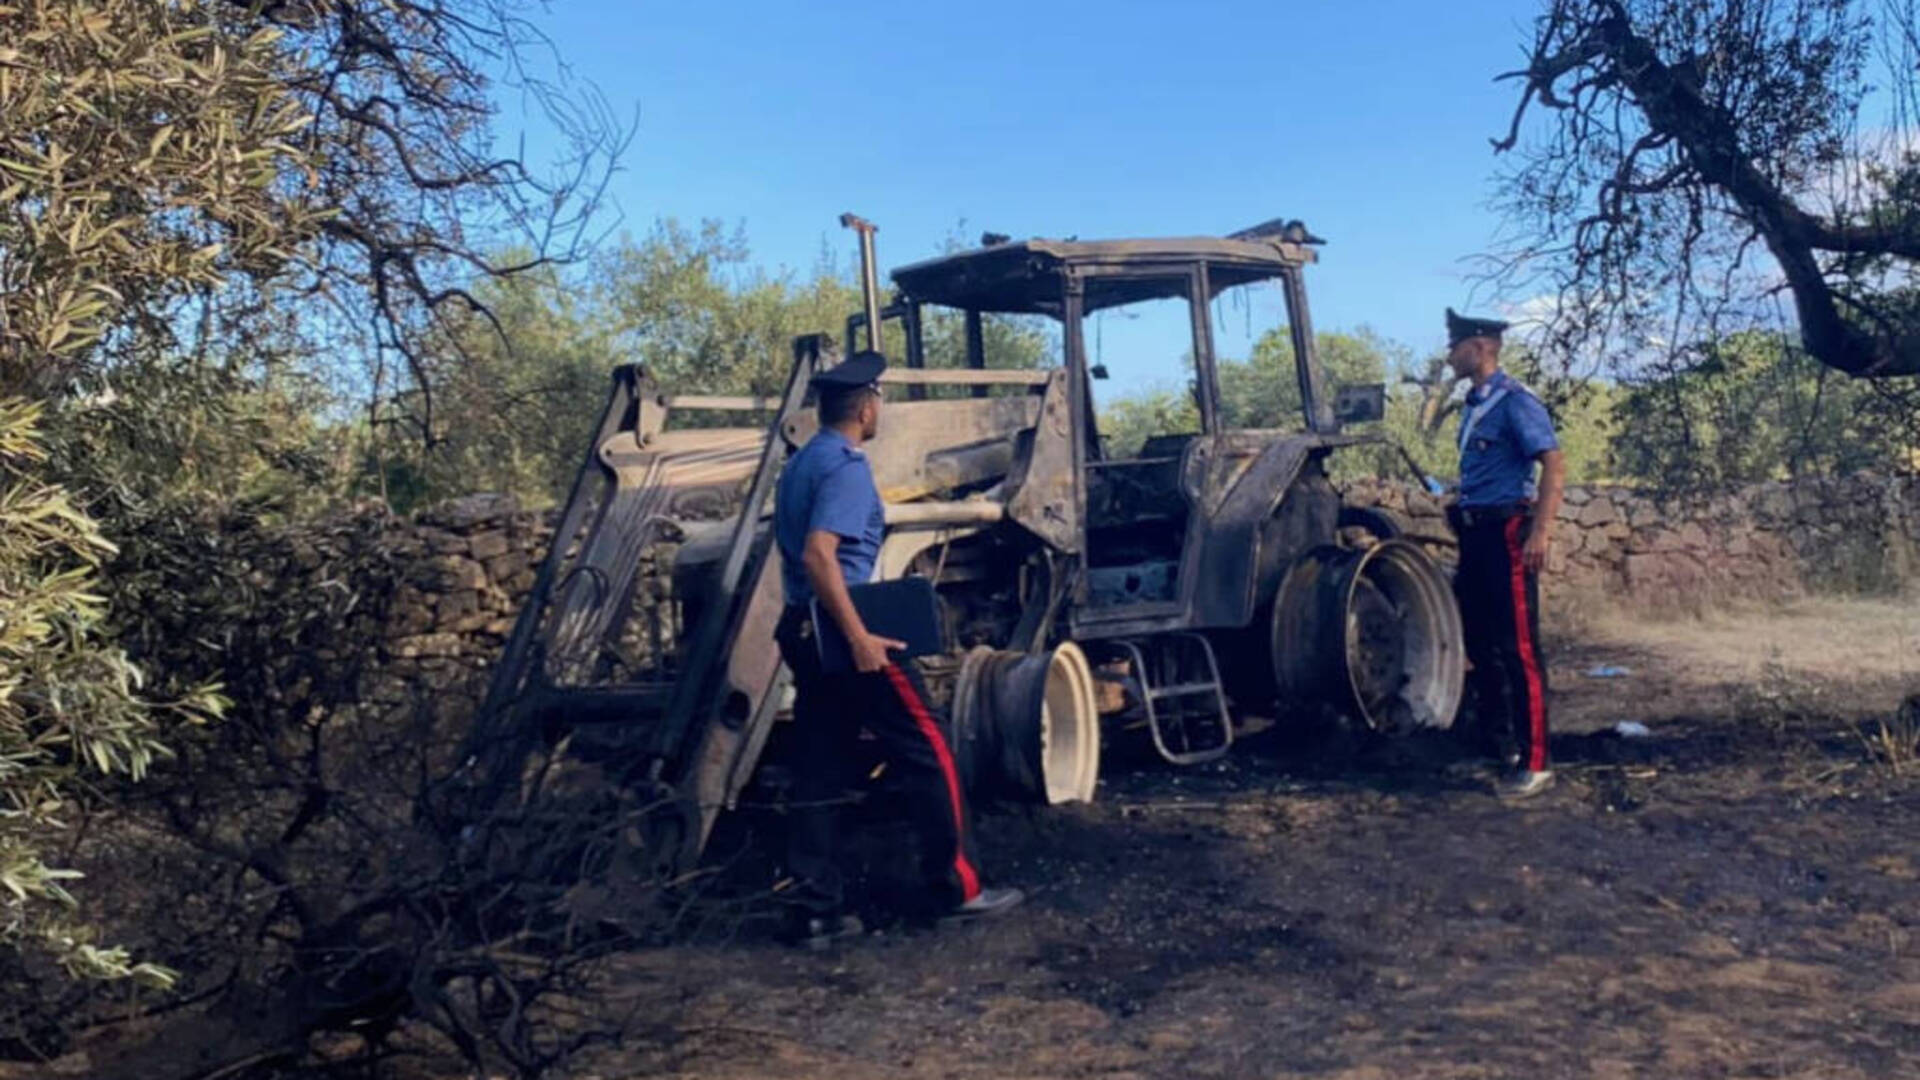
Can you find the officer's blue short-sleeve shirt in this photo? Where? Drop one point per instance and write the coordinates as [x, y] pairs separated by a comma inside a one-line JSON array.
[[1503, 429], [827, 486]]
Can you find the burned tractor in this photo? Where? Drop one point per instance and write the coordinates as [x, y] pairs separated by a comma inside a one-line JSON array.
[[1163, 589]]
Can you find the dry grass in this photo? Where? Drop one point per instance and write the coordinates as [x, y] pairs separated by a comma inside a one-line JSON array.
[[1824, 658], [1893, 742], [1844, 641]]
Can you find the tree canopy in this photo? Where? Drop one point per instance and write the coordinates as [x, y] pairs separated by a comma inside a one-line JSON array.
[[1682, 165], [193, 194]]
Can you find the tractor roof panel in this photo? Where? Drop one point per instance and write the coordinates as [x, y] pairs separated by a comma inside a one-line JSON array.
[[1025, 277]]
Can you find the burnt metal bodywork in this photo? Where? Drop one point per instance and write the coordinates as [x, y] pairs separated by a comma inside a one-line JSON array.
[[1234, 483]]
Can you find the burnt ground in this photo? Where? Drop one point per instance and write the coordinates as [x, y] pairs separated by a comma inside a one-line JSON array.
[[1733, 896]]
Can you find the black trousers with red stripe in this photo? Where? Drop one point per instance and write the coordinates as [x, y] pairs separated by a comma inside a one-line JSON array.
[[1500, 613], [829, 710]]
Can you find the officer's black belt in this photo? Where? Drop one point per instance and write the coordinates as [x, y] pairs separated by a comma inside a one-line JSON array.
[[1477, 517]]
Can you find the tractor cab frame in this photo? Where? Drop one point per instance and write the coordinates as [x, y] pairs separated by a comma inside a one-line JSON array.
[[1163, 544]]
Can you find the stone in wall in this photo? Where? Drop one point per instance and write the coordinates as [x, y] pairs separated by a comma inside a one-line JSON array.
[[489, 545], [1598, 512], [1641, 513]]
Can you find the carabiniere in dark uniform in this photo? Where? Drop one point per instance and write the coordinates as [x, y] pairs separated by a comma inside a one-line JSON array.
[[829, 525], [1505, 525]]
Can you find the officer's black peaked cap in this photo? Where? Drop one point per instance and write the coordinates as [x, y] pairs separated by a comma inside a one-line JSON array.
[[1461, 327], [856, 372]]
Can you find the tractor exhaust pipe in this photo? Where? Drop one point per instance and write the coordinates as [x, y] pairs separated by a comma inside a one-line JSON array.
[[869, 275]]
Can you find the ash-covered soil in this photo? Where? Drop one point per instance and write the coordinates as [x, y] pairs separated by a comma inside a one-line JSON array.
[[1733, 896]]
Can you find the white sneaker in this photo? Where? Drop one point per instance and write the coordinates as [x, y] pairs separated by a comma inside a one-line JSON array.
[[988, 903], [1524, 784]]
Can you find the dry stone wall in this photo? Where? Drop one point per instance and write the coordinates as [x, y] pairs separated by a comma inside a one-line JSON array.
[[1855, 533], [425, 604], [466, 566], [419, 609], [374, 615]]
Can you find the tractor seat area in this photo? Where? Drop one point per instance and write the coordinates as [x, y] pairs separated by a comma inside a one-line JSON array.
[[1133, 492], [1136, 527]]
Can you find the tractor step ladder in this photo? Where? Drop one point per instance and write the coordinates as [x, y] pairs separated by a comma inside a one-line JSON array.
[[1179, 683]]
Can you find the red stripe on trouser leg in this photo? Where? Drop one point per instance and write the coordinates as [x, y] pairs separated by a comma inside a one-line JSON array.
[[969, 880], [1523, 637]]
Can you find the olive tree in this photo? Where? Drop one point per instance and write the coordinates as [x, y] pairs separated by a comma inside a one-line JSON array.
[[143, 150], [1686, 169], [190, 189]]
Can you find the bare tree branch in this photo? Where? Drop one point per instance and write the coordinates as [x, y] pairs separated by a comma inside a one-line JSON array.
[[1748, 94]]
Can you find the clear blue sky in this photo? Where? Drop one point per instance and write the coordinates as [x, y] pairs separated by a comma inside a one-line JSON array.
[[1369, 119]]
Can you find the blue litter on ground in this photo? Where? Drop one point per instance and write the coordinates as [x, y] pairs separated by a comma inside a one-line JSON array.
[[1608, 671]]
